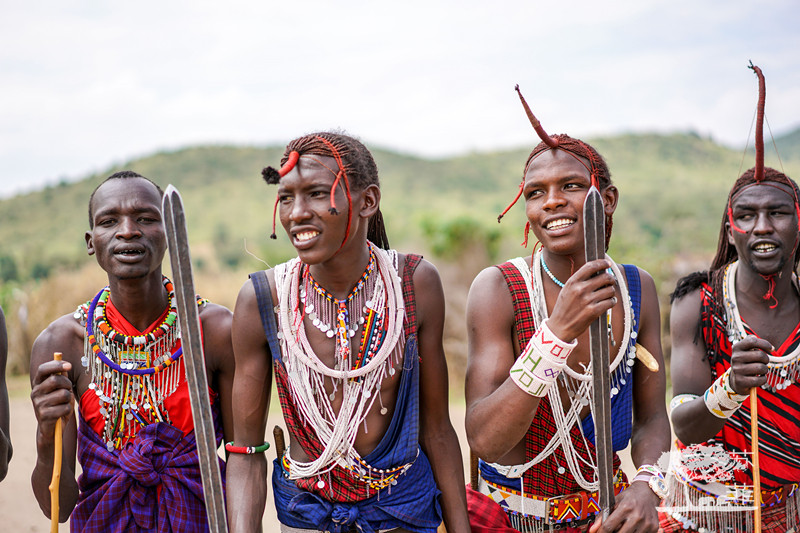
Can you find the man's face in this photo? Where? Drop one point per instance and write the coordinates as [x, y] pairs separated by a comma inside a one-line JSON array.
[[304, 201], [767, 215], [555, 188], [128, 236]]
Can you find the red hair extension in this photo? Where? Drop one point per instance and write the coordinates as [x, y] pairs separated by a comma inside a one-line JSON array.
[[338, 157], [549, 141], [519, 193], [332, 209], [272, 176], [762, 97], [731, 222], [273, 235], [527, 232]]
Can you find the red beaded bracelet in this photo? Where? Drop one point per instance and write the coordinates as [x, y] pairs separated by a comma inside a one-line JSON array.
[[249, 450]]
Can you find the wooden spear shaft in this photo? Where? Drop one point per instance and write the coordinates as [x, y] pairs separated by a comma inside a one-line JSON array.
[[55, 482], [756, 469]]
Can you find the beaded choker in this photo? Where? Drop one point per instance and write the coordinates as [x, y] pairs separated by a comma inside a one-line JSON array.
[[782, 370], [131, 375]]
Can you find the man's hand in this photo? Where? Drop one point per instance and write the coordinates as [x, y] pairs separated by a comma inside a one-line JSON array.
[[635, 510], [749, 364], [51, 395], [586, 295]]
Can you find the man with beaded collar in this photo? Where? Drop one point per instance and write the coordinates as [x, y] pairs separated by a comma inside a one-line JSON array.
[[355, 344], [531, 424], [122, 364], [736, 330]]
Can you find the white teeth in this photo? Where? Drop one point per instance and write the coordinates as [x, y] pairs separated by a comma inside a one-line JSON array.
[[306, 235], [765, 247], [560, 223]]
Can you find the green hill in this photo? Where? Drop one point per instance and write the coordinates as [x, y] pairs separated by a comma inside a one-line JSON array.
[[672, 191]]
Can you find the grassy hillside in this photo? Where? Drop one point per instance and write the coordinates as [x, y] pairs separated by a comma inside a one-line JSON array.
[[673, 188]]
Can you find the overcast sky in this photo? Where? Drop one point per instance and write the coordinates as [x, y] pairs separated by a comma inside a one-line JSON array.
[[84, 85]]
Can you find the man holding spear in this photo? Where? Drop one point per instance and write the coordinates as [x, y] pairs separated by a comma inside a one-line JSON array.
[[530, 410], [123, 363], [735, 340]]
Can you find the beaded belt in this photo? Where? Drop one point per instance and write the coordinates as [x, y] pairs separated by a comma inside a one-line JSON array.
[[562, 510]]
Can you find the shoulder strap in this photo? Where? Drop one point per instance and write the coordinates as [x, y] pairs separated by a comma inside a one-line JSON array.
[[412, 261], [518, 286], [634, 282], [266, 309]]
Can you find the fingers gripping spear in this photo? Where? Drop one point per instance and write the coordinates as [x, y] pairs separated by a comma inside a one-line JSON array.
[[194, 360]]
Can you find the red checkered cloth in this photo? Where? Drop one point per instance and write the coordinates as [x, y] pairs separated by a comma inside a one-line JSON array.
[[340, 484], [542, 479]]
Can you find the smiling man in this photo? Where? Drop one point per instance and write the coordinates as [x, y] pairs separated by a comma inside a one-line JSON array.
[[528, 388], [352, 332], [122, 363]]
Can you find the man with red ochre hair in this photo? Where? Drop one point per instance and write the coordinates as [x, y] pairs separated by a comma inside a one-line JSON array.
[[736, 331], [528, 388], [352, 332], [123, 365]]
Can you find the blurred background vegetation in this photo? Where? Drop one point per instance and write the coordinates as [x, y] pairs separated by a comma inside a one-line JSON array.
[[672, 192]]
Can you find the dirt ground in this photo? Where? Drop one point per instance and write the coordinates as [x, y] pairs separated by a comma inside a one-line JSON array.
[[19, 511]]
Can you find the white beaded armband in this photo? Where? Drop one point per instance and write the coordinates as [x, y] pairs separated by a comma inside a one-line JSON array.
[[541, 361], [721, 399], [681, 399]]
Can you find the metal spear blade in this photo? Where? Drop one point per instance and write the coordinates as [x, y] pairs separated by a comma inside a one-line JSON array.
[[595, 242], [193, 358]]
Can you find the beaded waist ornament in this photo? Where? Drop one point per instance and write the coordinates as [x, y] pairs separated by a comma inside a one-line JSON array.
[[131, 375]]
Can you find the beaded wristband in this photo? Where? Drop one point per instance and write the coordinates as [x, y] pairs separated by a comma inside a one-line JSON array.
[[541, 361], [721, 400], [681, 399], [249, 450]]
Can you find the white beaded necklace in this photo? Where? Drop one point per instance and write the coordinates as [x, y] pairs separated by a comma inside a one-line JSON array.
[[782, 370], [307, 373]]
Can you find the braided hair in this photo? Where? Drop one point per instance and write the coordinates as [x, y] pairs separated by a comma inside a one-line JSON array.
[[357, 169]]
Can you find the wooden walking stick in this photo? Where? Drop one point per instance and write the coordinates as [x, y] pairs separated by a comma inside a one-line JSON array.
[[756, 470], [56, 479]]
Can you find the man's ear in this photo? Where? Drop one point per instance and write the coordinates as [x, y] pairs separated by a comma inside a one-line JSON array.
[[729, 233], [89, 243], [371, 202], [610, 198]]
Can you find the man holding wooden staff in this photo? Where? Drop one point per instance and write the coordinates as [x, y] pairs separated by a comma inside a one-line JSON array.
[[735, 337], [529, 390], [123, 364]]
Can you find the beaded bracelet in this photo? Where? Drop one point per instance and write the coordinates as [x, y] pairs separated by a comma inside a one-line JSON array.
[[249, 450], [721, 400], [540, 363], [681, 399]]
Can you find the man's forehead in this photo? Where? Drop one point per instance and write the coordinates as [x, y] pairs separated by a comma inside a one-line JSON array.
[[764, 192], [128, 191]]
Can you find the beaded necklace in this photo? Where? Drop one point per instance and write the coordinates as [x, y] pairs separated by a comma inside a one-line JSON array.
[[550, 274], [360, 381], [782, 370], [131, 375]]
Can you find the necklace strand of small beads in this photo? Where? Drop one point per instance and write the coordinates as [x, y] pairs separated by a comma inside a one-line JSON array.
[[131, 375]]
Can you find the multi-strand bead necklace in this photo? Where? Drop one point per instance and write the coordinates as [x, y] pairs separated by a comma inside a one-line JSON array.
[[131, 375]]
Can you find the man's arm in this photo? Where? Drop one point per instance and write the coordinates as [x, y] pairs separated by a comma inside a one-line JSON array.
[[691, 371], [247, 474], [218, 351], [499, 413], [635, 509], [5, 434], [52, 385], [437, 437]]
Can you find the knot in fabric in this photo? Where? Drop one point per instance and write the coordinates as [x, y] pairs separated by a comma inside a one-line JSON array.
[[146, 458], [344, 514]]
